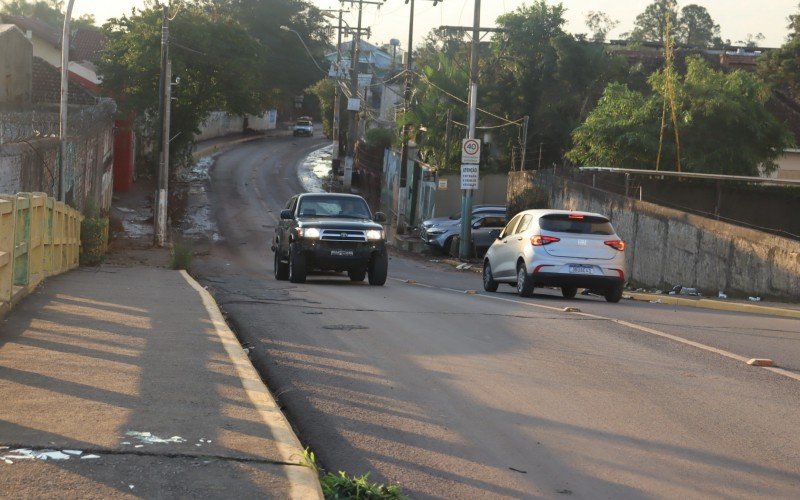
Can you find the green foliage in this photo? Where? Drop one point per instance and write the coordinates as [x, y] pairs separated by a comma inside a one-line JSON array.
[[696, 28], [343, 487], [379, 138], [600, 25], [181, 255], [50, 12], [325, 91], [650, 25], [94, 240], [781, 67], [724, 125]]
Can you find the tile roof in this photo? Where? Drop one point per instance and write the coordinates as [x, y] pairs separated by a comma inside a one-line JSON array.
[[87, 44], [37, 27], [47, 86]]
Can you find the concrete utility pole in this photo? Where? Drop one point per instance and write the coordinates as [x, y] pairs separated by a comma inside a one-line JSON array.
[[337, 98], [160, 215], [63, 157], [355, 104], [464, 247], [524, 142]]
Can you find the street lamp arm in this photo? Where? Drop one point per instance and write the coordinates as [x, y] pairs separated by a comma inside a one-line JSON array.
[[286, 28]]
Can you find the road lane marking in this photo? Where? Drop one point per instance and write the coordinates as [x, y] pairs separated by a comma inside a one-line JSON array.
[[658, 333]]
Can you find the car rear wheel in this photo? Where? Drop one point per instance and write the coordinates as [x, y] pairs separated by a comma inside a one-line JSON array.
[[379, 269], [297, 264], [614, 295], [569, 292], [489, 284], [357, 274], [524, 282], [281, 268]]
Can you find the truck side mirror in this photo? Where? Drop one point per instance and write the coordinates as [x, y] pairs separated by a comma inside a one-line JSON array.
[[380, 217], [286, 214]]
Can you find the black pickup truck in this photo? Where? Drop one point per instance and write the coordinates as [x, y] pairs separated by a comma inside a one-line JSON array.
[[330, 232]]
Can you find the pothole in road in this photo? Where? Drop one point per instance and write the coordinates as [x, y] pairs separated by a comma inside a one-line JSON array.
[[345, 328]]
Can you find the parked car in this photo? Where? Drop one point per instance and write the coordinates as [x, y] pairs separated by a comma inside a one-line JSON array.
[[558, 248], [456, 218], [303, 127], [330, 232], [441, 237]]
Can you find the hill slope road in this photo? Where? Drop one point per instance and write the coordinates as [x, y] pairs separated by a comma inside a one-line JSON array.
[[467, 396]]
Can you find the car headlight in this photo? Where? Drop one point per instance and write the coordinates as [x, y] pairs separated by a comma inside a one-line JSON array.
[[436, 230], [311, 233], [374, 234]]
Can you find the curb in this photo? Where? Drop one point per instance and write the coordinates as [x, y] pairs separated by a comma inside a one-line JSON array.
[[216, 147], [303, 480], [717, 304]]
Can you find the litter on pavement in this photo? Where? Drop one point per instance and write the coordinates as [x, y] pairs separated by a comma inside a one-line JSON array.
[[149, 438], [755, 299], [722, 295], [9, 456]]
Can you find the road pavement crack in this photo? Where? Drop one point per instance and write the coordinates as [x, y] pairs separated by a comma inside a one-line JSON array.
[[145, 453]]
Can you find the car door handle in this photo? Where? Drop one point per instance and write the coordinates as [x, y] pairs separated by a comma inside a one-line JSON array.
[[519, 239]]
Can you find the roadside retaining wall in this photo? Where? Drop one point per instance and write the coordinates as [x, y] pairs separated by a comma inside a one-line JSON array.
[[669, 247], [220, 123]]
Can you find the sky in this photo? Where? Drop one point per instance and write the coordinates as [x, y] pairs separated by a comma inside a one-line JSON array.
[[737, 18]]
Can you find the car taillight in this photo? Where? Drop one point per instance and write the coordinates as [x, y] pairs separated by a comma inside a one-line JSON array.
[[616, 245], [538, 240]]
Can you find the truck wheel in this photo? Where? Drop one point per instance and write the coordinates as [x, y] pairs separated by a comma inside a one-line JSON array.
[[378, 269], [297, 264], [281, 268], [357, 274]]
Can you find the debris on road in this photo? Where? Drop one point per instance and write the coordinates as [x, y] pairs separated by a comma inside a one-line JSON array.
[[722, 295], [761, 362], [657, 301], [149, 438], [464, 266], [30, 454], [755, 299]]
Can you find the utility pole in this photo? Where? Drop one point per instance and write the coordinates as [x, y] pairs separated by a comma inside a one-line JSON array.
[[336, 100], [354, 104], [524, 141], [464, 247], [62, 125], [160, 216]]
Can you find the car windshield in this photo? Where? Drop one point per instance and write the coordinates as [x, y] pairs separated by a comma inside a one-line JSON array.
[[334, 206], [576, 223], [303, 124]]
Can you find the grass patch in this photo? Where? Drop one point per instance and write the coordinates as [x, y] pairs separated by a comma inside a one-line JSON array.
[[181, 255], [343, 487]]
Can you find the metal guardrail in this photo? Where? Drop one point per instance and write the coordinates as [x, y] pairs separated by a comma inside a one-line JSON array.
[[39, 237]]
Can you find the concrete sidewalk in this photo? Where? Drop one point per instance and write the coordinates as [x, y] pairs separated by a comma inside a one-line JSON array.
[[98, 358]]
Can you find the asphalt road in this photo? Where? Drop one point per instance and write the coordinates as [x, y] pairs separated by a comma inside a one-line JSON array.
[[470, 396]]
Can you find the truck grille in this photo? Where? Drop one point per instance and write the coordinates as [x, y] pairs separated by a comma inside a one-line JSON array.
[[343, 235]]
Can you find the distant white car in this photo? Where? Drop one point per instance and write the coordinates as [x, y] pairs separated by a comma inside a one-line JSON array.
[[559, 248], [303, 127]]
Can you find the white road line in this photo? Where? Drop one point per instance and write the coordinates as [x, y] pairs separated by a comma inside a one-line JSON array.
[[628, 324]]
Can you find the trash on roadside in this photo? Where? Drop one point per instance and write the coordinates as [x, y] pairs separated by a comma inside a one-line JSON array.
[[657, 301], [659, 292], [435, 261], [28, 454], [689, 291], [722, 295], [73, 452], [463, 266], [89, 457], [627, 297], [149, 438], [673, 292], [755, 299]]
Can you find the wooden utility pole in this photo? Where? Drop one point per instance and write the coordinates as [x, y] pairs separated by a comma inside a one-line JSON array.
[[63, 156]]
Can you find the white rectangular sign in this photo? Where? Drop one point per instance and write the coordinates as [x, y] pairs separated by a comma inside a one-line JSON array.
[[471, 151], [353, 104], [470, 175]]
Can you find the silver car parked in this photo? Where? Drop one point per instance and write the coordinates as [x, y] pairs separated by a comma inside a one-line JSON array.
[[558, 248]]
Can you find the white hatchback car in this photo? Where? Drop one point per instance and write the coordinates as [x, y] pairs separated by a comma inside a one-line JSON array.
[[559, 248]]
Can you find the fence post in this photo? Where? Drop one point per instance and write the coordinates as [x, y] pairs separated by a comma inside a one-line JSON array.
[[8, 218], [36, 239], [49, 240], [22, 240]]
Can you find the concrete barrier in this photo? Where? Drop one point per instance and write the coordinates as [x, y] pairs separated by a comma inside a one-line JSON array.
[[669, 247]]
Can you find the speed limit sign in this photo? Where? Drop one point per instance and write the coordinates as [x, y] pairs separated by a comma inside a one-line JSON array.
[[471, 151]]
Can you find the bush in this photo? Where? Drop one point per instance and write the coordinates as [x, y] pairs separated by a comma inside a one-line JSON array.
[[379, 138], [94, 240], [530, 198], [181, 256], [341, 486]]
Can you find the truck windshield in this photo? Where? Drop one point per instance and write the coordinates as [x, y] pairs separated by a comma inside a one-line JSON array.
[[334, 206]]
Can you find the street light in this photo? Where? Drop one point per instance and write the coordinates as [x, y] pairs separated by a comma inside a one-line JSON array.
[[64, 104]]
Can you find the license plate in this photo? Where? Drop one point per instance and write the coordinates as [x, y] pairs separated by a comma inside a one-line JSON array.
[[342, 253], [579, 269]]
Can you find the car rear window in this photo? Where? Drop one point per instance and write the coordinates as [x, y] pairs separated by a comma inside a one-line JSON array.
[[578, 224]]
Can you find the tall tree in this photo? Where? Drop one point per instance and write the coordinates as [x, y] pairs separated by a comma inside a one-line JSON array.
[[650, 25], [781, 67], [725, 125], [695, 27], [214, 59], [600, 25]]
